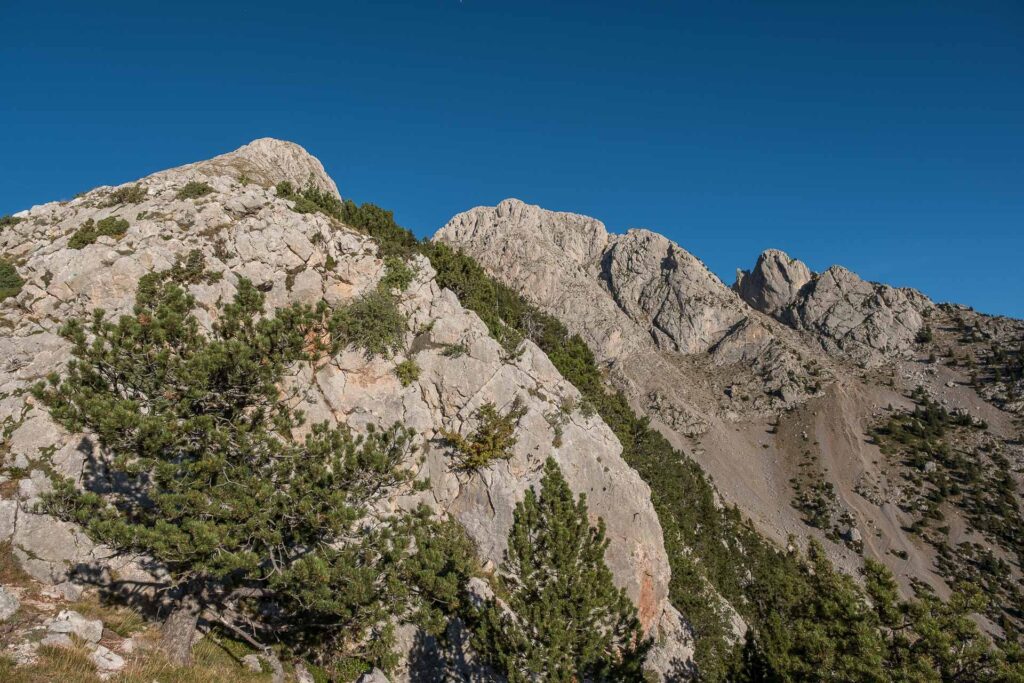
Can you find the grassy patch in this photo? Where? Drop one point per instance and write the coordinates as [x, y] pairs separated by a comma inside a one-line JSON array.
[[120, 619], [66, 665], [9, 221], [11, 573]]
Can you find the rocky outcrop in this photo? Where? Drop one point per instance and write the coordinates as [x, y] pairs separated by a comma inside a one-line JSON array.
[[774, 282], [265, 162], [668, 291], [245, 230], [847, 315], [651, 312]]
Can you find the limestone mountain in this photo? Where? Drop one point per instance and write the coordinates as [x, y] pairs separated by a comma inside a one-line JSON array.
[[778, 386], [735, 472]]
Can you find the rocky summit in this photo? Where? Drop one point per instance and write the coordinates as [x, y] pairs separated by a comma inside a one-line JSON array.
[[724, 448]]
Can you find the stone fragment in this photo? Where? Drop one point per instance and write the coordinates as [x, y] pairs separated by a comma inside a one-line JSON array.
[[9, 604], [106, 660], [69, 622]]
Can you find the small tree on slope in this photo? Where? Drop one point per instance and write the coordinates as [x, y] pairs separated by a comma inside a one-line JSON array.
[[238, 512], [562, 618]]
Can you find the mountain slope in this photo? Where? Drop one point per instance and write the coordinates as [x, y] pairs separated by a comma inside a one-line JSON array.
[[244, 228]]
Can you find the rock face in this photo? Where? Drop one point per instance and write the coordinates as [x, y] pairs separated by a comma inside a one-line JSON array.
[[650, 311], [774, 282], [637, 292], [668, 291], [245, 230], [848, 316], [266, 162]]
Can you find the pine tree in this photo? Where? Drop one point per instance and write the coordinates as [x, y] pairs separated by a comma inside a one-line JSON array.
[[562, 618], [259, 531]]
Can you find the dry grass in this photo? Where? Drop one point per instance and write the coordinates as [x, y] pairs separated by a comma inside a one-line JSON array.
[[72, 665], [212, 665], [66, 665], [11, 573], [122, 620]]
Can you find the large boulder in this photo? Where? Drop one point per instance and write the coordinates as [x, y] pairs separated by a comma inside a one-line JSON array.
[[848, 316]]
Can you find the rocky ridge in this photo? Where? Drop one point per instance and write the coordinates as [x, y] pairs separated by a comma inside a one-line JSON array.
[[867, 322], [771, 385], [245, 230], [648, 308]]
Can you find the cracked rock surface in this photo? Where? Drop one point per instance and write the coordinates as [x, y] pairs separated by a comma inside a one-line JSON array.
[[864, 321]]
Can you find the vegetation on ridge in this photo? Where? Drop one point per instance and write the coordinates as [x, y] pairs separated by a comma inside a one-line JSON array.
[[277, 540], [799, 608]]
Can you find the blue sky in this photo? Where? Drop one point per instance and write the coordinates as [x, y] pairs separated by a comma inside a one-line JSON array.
[[888, 137]]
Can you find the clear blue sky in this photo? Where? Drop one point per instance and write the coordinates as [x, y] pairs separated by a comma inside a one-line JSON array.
[[886, 136]]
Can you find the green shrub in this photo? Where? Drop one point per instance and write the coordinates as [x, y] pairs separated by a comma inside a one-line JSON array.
[[111, 226], [393, 239], [130, 194], [407, 372], [9, 221], [398, 275], [303, 205], [454, 350], [10, 281], [311, 199], [373, 323], [493, 438], [194, 190]]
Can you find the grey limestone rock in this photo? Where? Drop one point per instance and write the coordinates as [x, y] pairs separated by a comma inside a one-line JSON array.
[[9, 604]]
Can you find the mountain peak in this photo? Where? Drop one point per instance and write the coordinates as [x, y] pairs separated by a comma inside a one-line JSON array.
[[774, 282], [265, 161]]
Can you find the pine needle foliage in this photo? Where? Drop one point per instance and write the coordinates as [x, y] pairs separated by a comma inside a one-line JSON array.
[[493, 438], [372, 322], [10, 281], [219, 490], [562, 620]]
